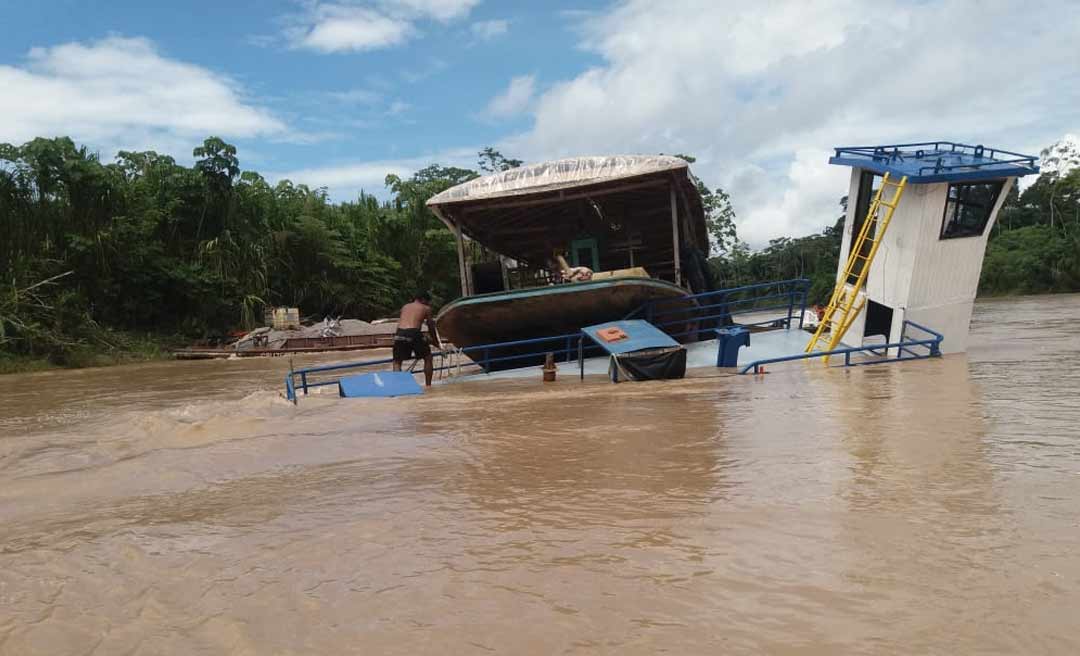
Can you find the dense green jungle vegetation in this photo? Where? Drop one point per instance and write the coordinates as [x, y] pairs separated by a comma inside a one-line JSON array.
[[102, 262]]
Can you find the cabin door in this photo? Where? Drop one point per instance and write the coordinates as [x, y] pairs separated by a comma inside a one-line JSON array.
[[879, 320], [584, 252], [869, 183]]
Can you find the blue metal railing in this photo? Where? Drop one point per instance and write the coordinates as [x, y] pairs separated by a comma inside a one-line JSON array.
[[932, 345], [785, 295], [790, 295], [981, 155], [480, 356]]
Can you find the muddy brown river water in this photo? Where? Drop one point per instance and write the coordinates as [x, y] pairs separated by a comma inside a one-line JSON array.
[[930, 507]]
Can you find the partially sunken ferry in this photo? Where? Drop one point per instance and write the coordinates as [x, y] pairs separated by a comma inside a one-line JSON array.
[[914, 238]]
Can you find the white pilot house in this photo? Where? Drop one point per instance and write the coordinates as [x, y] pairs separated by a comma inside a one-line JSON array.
[[918, 218]]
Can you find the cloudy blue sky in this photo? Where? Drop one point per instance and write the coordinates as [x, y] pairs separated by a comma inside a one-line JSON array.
[[339, 93]]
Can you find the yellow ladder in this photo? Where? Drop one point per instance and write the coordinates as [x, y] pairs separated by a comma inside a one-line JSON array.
[[845, 298]]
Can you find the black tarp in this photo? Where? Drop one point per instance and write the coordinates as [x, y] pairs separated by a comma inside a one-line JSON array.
[[649, 364]]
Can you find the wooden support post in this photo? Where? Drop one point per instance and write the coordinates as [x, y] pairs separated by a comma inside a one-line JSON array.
[[461, 260], [468, 270], [505, 273], [675, 235]]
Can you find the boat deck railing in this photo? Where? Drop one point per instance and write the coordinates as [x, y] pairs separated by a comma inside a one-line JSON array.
[[708, 309], [908, 348], [482, 356], [787, 298], [969, 156]]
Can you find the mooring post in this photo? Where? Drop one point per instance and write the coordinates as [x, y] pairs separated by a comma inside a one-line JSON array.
[[549, 368]]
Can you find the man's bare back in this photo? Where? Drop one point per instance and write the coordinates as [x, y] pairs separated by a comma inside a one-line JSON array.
[[414, 314]]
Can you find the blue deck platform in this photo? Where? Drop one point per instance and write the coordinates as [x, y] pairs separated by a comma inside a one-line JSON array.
[[937, 161]]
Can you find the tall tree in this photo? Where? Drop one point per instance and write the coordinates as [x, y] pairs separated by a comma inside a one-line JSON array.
[[719, 214], [424, 246], [492, 161]]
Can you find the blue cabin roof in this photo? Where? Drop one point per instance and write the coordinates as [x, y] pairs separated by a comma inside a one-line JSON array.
[[937, 161]]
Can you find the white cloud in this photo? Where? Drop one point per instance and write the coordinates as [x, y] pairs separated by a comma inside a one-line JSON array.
[[123, 93], [809, 184], [344, 26], [397, 108], [760, 92], [433, 66], [442, 10], [345, 178], [514, 99], [356, 97], [345, 181], [341, 28], [489, 29]]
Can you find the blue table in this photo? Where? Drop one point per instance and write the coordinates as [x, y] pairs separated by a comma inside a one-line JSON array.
[[640, 335]]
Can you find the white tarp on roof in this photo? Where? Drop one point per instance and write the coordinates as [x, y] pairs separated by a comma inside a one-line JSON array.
[[558, 174]]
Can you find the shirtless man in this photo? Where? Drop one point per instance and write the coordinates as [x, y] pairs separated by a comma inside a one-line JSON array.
[[408, 339]]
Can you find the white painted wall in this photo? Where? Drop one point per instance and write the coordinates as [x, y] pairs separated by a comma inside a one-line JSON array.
[[947, 270], [893, 267], [922, 277]]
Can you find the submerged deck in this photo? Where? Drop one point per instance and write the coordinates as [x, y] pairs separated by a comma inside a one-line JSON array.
[[764, 345]]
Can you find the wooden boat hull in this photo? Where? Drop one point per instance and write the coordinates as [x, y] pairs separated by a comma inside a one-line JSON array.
[[549, 311]]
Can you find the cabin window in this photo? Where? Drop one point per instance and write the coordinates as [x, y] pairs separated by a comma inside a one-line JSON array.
[[968, 208]]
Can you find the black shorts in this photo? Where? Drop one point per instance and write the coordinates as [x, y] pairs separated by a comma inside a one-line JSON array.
[[408, 341]]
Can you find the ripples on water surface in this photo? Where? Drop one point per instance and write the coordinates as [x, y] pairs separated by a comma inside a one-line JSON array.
[[929, 507]]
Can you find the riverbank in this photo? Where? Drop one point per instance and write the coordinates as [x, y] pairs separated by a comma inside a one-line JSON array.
[[112, 348]]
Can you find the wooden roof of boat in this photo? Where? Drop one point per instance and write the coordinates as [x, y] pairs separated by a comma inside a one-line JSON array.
[[526, 212]]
